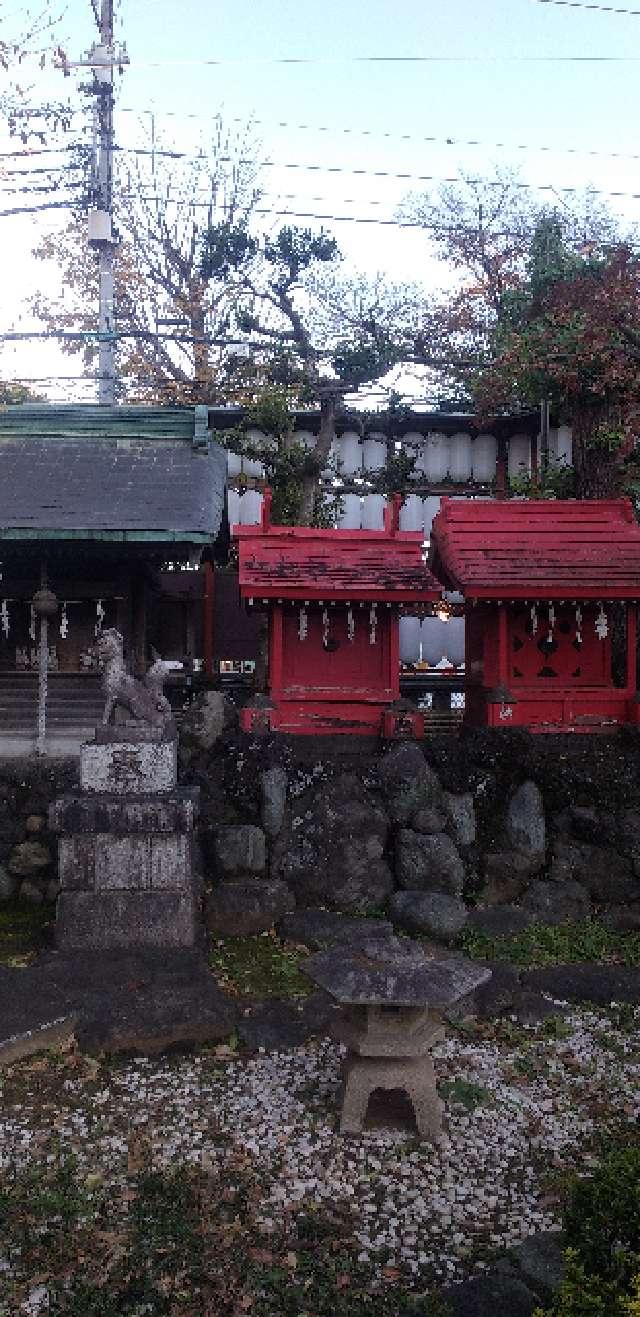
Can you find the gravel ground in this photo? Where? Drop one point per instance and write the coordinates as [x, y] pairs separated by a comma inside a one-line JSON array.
[[524, 1105]]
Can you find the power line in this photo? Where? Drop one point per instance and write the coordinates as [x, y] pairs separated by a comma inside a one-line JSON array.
[[578, 4], [391, 59]]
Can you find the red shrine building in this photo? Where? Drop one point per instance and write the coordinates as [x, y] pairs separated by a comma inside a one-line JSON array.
[[334, 599], [545, 583]]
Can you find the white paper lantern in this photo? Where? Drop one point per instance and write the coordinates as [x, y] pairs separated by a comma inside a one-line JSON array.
[[250, 507], [351, 514], [460, 457], [430, 509], [483, 458], [350, 453], [233, 506], [373, 506], [519, 462], [411, 515], [374, 452], [409, 639]]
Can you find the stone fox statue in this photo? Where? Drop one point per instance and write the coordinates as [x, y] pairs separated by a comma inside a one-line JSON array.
[[144, 699]]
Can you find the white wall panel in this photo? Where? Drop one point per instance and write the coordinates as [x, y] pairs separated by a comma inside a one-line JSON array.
[[250, 507], [351, 514], [350, 452], [233, 506], [373, 512], [409, 639], [483, 458], [374, 452], [436, 455], [411, 513], [460, 456], [431, 507], [519, 455]]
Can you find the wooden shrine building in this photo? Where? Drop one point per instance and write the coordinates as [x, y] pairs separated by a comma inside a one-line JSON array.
[[333, 599], [546, 584], [110, 507]]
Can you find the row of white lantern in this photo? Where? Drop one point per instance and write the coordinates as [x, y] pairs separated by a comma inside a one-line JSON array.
[[431, 639]]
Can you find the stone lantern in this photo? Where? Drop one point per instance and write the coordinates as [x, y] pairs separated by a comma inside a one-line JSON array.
[[392, 998]]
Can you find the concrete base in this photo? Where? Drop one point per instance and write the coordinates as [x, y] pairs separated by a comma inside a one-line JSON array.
[[127, 920]]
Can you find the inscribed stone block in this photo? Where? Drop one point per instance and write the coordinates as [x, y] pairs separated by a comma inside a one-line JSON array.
[[126, 769]]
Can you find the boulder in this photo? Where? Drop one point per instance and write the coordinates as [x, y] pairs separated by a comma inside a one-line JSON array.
[[318, 929], [506, 876], [34, 823], [409, 783], [428, 820], [557, 903], [240, 849], [209, 716], [273, 799], [333, 855], [461, 814], [435, 913], [242, 909], [539, 1260], [500, 920], [32, 892], [585, 823], [428, 863], [8, 885], [499, 995], [495, 1294], [600, 984], [607, 875], [623, 918], [525, 828], [29, 859]]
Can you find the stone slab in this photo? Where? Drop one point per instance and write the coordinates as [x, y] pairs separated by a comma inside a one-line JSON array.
[[123, 768], [51, 1033], [81, 813], [134, 733], [394, 971], [106, 862], [317, 928], [127, 919]]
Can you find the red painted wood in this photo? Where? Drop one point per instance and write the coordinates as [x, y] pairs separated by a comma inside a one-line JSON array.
[[538, 549]]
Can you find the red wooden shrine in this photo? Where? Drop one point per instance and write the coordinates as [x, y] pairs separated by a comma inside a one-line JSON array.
[[334, 599], [542, 581]]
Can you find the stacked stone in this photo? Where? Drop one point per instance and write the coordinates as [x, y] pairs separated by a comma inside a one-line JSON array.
[[125, 847]]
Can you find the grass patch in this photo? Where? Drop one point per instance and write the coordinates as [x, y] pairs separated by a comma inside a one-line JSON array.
[[178, 1242], [543, 944], [23, 928], [262, 966]]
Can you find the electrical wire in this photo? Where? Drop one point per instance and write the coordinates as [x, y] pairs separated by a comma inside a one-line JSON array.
[[579, 4]]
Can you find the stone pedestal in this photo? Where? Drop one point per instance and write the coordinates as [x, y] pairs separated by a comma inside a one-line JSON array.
[[125, 847]]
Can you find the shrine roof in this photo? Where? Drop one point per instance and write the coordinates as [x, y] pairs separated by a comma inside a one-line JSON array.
[[298, 562], [537, 549], [121, 473]]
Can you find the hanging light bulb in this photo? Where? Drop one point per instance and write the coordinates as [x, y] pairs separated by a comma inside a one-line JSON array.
[[303, 624], [602, 625], [64, 622], [4, 618], [351, 624], [373, 622]]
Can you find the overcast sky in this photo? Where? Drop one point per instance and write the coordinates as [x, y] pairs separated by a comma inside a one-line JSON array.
[[516, 72]]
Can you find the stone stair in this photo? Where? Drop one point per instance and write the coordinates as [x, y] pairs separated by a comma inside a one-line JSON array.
[[74, 706]]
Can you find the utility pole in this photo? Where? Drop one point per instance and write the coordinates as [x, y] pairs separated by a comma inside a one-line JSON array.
[[102, 58]]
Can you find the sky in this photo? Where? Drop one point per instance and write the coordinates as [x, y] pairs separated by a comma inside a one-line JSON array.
[[384, 86]]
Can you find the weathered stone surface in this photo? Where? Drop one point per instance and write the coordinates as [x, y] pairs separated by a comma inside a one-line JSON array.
[[128, 768], [276, 1025], [8, 885], [52, 890], [109, 861], [150, 1022], [240, 849], [435, 913], [428, 863], [127, 919], [211, 714], [525, 822], [402, 766], [585, 823], [428, 820], [323, 928], [623, 918], [506, 876], [273, 799], [498, 995], [607, 875], [75, 813], [492, 1295], [34, 823], [393, 971], [601, 984], [540, 1261], [31, 892], [627, 837], [336, 858], [500, 920], [461, 813], [557, 903], [242, 909], [29, 859]]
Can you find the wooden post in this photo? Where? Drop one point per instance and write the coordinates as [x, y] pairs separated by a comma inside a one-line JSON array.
[[207, 617], [632, 647], [276, 642], [503, 646]]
